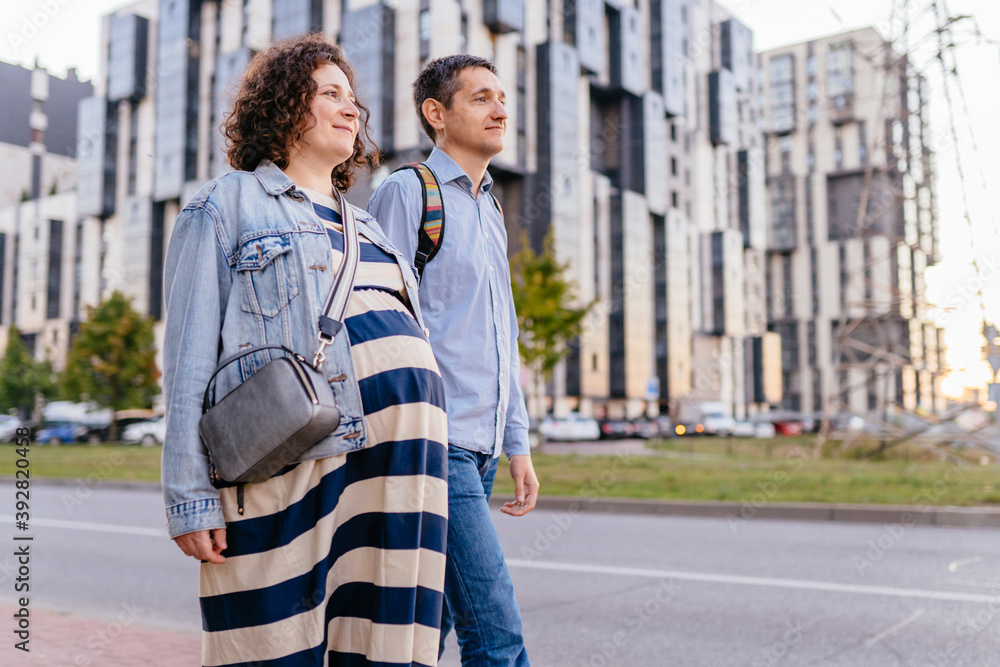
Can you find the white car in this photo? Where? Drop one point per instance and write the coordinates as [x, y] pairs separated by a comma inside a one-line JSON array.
[[146, 433], [571, 427], [8, 428]]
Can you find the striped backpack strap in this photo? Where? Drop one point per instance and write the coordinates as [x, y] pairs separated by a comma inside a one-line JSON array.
[[431, 233]]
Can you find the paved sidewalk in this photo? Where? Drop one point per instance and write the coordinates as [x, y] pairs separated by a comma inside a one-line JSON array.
[[63, 640]]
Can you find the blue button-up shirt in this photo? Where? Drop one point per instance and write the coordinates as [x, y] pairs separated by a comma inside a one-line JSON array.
[[466, 299]]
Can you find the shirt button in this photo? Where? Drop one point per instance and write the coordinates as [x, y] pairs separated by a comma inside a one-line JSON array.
[[410, 282], [427, 332]]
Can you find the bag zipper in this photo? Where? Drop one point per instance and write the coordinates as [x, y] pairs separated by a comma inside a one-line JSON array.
[[304, 379]]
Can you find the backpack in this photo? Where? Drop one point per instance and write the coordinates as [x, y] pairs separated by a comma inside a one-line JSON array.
[[431, 233]]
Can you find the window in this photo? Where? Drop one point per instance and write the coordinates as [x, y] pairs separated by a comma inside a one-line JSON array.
[[785, 145], [673, 132], [782, 93], [782, 193], [814, 280], [862, 142], [673, 166], [839, 72], [786, 268], [673, 199], [425, 24], [842, 259], [838, 150]]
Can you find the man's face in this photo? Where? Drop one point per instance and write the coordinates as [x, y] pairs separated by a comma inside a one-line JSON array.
[[477, 119]]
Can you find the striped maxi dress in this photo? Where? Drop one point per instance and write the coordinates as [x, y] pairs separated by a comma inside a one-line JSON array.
[[341, 560]]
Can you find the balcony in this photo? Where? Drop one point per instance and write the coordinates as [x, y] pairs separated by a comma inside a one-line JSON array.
[[503, 16]]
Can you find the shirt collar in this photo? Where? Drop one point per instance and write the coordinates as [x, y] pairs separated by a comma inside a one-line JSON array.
[[446, 169]]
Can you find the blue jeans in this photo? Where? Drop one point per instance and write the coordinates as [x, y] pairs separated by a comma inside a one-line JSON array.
[[478, 593]]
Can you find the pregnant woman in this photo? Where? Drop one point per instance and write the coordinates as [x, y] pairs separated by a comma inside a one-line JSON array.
[[339, 558]]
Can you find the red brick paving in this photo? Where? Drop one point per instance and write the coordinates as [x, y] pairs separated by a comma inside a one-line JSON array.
[[62, 640]]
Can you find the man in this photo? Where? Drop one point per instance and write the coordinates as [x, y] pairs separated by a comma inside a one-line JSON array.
[[465, 295]]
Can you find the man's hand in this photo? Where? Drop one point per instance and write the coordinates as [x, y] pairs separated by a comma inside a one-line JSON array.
[[525, 486], [204, 544]]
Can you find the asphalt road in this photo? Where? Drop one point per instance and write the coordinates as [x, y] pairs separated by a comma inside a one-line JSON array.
[[600, 590]]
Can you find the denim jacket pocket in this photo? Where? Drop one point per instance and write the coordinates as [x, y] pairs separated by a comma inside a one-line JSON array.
[[267, 274]]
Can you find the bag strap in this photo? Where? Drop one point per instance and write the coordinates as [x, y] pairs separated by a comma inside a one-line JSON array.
[[431, 233], [496, 202], [331, 320], [205, 405]]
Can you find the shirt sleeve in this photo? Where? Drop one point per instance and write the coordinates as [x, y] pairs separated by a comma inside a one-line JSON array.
[[397, 208], [515, 435]]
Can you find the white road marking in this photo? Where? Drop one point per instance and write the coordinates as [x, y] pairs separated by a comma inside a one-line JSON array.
[[800, 584], [891, 631], [92, 527], [955, 564]]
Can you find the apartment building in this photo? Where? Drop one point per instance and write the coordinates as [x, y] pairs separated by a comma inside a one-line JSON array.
[[635, 138], [37, 179], [853, 225]]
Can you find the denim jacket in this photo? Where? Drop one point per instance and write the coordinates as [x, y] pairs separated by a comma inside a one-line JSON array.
[[248, 263]]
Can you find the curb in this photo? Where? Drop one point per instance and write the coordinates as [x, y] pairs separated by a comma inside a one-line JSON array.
[[978, 517], [970, 517], [91, 482]]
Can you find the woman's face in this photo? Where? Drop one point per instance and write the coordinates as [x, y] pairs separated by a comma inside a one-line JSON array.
[[330, 133]]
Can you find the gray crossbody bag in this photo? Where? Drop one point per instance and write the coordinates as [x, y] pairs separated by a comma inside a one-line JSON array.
[[286, 407]]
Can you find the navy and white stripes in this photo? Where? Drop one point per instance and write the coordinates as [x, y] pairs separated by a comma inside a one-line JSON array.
[[341, 560]]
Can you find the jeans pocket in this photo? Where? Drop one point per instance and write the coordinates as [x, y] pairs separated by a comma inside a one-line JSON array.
[[266, 270]]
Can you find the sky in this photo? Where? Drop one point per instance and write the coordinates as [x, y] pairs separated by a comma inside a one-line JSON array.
[[62, 34]]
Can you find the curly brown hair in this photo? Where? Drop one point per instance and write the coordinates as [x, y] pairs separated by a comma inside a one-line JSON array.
[[273, 106]]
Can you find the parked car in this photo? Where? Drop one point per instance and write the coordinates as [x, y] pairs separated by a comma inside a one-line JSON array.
[[616, 428], [744, 429], [571, 427], [763, 430], [99, 433], [8, 427], [788, 427], [665, 427], [148, 432], [55, 433], [645, 428]]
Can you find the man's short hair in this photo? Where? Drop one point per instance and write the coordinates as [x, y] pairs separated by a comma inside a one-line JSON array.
[[439, 81]]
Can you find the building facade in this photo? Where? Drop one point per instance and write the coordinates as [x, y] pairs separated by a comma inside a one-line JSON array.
[[635, 139], [38, 243], [852, 227]]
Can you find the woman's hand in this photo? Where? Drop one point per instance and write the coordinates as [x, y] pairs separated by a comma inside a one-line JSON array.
[[205, 545]]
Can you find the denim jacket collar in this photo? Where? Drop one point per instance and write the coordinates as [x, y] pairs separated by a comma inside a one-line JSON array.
[[272, 178], [276, 182]]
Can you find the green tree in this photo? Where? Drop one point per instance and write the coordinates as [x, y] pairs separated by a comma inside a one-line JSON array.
[[22, 379], [542, 297], [112, 361]]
